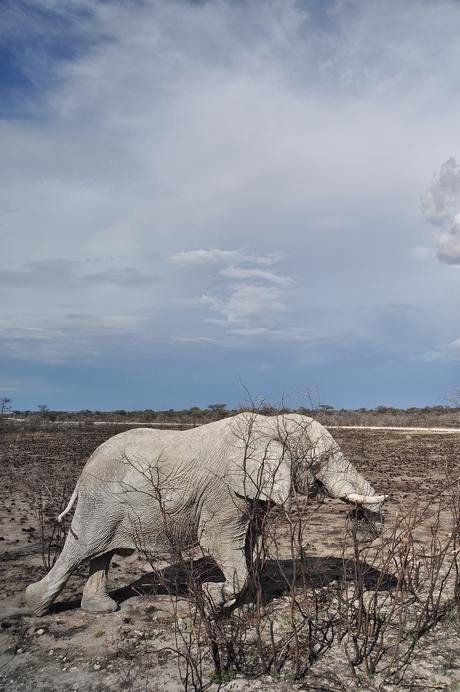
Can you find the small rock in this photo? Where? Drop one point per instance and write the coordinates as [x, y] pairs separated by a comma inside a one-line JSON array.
[[19, 651], [97, 666], [40, 631]]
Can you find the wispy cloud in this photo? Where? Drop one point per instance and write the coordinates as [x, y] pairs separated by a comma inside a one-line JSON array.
[[244, 176], [50, 273], [253, 298], [126, 277], [445, 352], [63, 274], [215, 256], [233, 272], [53, 340], [250, 305]]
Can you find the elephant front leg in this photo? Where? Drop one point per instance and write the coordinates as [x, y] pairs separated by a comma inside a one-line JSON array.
[[95, 597], [226, 544]]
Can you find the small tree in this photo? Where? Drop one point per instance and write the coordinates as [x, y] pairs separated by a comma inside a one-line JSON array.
[[217, 408], [452, 396], [5, 405], [44, 412]]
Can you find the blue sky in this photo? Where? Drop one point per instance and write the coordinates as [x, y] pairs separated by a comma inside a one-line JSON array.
[[197, 196]]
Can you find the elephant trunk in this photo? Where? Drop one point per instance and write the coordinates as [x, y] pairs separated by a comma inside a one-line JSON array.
[[341, 480]]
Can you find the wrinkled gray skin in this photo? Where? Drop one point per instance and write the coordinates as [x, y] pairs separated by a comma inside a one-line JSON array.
[[156, 489]]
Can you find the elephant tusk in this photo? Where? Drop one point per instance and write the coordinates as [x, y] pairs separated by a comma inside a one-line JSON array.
[[365, 499]]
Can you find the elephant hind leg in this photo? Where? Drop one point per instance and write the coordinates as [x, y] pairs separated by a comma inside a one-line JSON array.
[[40, 596], [95, 597]]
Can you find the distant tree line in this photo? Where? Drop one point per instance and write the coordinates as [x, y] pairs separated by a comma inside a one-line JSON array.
[[428, 416]]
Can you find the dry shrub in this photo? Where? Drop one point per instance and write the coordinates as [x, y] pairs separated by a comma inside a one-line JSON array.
[[47, 500], [372, 610], [383, 599]]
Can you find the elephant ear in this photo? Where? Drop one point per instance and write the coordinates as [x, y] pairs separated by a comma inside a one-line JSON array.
[[260, 469]]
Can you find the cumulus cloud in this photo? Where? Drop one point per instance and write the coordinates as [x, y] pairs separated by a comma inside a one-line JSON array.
[[449, 244], [234, 132], [444, 193], [439, 204]]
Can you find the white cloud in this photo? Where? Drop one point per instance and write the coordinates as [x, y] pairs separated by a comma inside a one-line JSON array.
[[199, 257], [445, 352], [251, 305], [243, 303], [128, 277], [449, 244], [443, 195], [233, 272], [438, 205], [280, 142]]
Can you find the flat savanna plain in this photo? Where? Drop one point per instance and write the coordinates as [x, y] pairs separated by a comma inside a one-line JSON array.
[[136, 647]]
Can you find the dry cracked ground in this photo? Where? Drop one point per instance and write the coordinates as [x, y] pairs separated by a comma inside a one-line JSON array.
[[143, 646]]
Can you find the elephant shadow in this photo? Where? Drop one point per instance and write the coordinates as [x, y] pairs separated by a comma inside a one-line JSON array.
[[276, 578]]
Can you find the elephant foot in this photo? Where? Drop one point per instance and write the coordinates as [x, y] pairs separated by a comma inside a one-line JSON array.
[[36, 598], [220, 597], [101, 604]]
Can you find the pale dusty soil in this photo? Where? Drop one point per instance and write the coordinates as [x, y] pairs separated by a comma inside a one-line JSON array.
[[136, 647]]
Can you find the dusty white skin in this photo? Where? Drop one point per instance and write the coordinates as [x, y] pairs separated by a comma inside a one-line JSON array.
[[164, 490]]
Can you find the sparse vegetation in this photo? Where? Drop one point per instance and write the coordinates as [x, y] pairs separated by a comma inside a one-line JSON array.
[[323, 613], [386, 416]]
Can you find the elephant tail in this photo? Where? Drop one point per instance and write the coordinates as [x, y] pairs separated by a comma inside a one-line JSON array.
[[71, 503]]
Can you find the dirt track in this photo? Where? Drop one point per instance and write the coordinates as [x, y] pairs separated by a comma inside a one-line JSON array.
[[134, 647]]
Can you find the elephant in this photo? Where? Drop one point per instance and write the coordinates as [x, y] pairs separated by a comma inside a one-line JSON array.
[[168, 490]]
